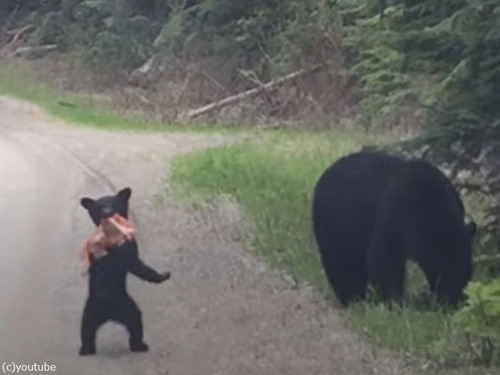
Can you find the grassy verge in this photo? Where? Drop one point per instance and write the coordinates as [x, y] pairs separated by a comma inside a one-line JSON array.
[[273, 181], [17, 81]]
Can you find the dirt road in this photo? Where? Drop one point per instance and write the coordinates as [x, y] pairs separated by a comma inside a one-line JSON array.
[[223, 312]]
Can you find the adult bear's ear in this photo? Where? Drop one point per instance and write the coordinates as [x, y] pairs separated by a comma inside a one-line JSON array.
[[87, 203], [124, 194]]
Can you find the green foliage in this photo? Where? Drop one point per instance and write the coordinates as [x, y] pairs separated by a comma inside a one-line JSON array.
[[455, 43], [310, 33], [443, 56], [268, 36], [463, 123], [480, 320], [376, 58], [221, 28], [172, 31], [122, 43], [110, 33]]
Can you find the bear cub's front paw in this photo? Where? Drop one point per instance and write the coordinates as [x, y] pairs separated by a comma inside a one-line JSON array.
[[165, 276]]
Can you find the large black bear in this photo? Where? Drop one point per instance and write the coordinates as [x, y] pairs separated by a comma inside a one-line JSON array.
[[372, 212], [108, 299]]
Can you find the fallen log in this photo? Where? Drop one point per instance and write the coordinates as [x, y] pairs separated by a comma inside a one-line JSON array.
[[34, 51], [272, 85]]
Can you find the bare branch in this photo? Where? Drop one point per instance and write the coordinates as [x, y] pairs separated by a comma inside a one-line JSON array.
[[273, 85]]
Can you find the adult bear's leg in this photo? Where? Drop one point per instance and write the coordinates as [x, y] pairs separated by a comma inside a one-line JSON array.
[[345, 271], [387, 255], [131, 316], [93, 317], [432, 265], [342, 248]]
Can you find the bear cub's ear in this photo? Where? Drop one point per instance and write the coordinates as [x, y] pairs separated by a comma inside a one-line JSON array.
[[87, 203], [124, 194]]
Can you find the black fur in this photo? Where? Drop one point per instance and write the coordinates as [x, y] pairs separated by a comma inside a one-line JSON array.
[[108, 299], [372, 212]]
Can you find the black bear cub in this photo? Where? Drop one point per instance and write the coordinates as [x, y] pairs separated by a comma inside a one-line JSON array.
[[372, 212], [108, 299]]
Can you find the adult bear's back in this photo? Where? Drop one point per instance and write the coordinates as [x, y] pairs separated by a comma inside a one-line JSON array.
[[350, 189], [357, 182]]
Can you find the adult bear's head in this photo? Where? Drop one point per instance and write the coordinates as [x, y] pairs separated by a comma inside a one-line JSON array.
[[457, 265], [107, 206]]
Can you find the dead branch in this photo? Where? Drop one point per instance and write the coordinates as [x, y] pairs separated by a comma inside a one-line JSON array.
[[140, 97], [30, 50], [181, 92], [314, 102], [200, 71], [266, 55], [272, 85], [16, 33], [252, 77], [10, 19]]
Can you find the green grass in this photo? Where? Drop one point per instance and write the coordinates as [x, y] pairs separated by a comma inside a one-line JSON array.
[[273, 181], [16, 82], [412, 332]]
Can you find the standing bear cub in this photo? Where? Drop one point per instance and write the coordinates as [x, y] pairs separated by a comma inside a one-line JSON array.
[[108, 299], [372, 212]]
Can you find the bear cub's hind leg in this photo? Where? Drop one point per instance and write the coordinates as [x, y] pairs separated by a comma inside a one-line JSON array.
[[92, 319], [131, 317]]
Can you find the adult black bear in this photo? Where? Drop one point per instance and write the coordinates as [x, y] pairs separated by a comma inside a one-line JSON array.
[[108, 299], [372, 212]]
